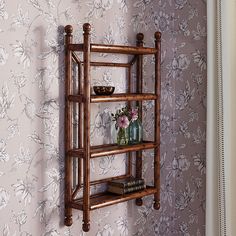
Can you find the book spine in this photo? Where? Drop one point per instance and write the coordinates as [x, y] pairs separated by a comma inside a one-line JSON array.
[[120, 190], [128, 184], [134, 182], [134, 188]]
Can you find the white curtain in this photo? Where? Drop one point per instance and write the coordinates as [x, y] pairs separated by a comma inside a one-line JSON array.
[[221, 119]]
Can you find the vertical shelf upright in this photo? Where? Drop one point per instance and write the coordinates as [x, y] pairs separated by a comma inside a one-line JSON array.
[[84, 152]]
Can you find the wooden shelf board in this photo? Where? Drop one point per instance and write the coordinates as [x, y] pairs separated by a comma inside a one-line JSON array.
[[107, 199], [123, 97], [103, 48], [119, 97], [119, 49], [113, 149]]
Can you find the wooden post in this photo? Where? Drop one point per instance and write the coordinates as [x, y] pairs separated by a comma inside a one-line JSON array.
[[80, 125], [139, 89], [86, 160], [157, 120], [129, 165], [68, 127]]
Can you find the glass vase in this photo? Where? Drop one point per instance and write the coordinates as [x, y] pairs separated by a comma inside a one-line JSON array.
[[135, 132], [122, 136]]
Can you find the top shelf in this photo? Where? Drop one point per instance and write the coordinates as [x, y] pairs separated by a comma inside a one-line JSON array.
[[121, 97], [120, 49]]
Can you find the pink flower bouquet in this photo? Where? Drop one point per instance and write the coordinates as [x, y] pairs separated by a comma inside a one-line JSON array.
[[124, 117]]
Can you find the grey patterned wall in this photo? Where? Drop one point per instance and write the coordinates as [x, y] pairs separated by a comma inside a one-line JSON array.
[[31, 114]]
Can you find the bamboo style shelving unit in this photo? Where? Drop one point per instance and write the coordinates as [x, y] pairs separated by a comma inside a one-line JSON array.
[[84, 152]]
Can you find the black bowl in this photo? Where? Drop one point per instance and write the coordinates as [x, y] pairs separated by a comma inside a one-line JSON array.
[[103, 90]]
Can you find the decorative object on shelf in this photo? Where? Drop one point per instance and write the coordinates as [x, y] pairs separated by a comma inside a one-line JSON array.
[[128, 182], [129, 126], [135, 127], [122, 124], [103, 90], [122, 190], [123, 136], [123, 186], [135, 132]]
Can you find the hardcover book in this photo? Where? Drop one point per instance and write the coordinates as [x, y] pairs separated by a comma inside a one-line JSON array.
[[124, 183], [121, 190]]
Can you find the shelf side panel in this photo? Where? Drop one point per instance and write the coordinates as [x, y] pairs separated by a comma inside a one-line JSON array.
[[157, 120], [68, 126]]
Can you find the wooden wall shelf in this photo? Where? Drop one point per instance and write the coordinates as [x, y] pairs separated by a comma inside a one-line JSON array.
[[83, 99]]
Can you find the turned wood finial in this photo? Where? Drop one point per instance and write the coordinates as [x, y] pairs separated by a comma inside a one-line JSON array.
[[156, 205], [86, 227], [139, 202], [69, 29], [140, 37], [87, 27], [157, 35], [68, 221]]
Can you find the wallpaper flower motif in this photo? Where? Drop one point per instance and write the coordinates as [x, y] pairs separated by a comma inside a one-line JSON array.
[[3, 12], [3, 56], [4, 197], [31, 114]]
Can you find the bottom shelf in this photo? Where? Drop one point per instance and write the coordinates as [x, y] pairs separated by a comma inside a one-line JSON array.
[[107, 199]]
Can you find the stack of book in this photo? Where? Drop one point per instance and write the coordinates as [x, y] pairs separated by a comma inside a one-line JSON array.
[[123, 186]]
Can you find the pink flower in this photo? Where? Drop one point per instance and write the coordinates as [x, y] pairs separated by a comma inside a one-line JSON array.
[[123, 122], [134, 114]]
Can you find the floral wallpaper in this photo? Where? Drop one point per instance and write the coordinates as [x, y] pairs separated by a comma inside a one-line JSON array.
[[31, 114]]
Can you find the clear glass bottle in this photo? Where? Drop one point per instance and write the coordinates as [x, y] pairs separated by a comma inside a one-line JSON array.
[[122, 136], [135, 132]]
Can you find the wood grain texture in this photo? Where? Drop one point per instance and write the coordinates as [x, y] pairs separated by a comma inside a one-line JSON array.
[[68, 127], [129, 78], [119, 49], [86, 160], [157, 120], [112, 149], [121, 97], [139, 89], [107, 199], [83, 100]]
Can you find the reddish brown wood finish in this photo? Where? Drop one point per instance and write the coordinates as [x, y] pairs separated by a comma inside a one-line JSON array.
[[129, 164], [80, 126], [139, 89], [86, 160], [114, 98], [83, 99], [109, 64], [76, 98], [120, 49], [75, 58], [123, 97], [68, 127], [107, 199], [97, 63], [112, 149], [157, 120]]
